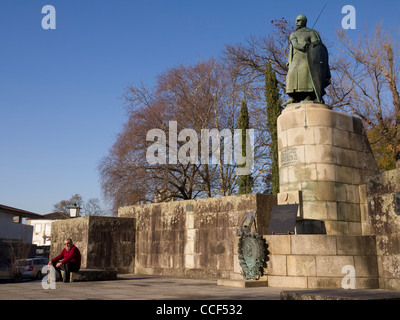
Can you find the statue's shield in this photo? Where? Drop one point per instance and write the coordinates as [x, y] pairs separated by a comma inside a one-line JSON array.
[[317, 57]]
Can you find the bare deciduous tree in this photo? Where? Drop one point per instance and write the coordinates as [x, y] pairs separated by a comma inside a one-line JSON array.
[[250, 59], [203, 96], [370, 74]]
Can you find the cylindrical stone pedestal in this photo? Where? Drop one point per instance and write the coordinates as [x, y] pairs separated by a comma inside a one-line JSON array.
[[325, 155]]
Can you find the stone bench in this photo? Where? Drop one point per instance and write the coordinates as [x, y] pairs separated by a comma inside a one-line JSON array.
[[93, 275]]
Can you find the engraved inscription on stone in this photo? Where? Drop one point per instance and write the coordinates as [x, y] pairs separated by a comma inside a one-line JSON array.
[[289, 156]]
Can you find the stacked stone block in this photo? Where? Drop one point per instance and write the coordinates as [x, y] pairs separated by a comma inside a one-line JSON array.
[[104, 242], [325, 155], [317, 261]]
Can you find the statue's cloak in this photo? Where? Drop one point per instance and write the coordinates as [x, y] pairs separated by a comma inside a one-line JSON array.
[[318, 64]]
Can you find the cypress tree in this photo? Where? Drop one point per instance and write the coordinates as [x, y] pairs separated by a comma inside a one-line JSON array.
[[274, 109], [245, 181]]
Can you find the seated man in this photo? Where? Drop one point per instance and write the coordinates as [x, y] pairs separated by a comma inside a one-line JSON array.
[[71, 260]]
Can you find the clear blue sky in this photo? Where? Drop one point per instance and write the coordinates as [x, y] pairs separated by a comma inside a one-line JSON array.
[[60, 90]]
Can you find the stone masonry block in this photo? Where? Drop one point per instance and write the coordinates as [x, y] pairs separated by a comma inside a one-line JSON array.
[[278, 244], [290, 197], [341, 138], [313, 244], [302, 172], [291, 120], [367, 283], [301, 265], [287, 282], [359, 175], [325, 172], [357, 142], [320, 153], [344, 174], [341, 191], [343, 121], [282, 141], [324, 282], [300, 136], [354, 228], [352, 193], [325, 191], [277, 265], [321, 117], [337, 227], [323, 135], [283, 175], [349, 212], [356, 245], [366, 266], [331, 266], [346, 157], [290, 187], [320, 210]]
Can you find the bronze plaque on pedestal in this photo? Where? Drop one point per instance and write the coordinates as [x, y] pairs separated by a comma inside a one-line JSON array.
[[283, 219]]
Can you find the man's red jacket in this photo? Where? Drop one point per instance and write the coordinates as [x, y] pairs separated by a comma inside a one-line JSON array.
[[71, 255]]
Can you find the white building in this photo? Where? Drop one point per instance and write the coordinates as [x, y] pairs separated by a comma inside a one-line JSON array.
[[42, 227]]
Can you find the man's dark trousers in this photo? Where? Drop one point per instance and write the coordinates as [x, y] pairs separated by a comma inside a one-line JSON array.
[[67, 268]]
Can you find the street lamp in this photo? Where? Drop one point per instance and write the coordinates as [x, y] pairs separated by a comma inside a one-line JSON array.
[[74, 211]]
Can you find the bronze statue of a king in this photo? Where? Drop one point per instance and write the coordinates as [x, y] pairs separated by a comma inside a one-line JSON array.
[[308, 74]]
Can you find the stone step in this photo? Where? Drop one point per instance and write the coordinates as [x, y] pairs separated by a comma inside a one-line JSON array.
[[93, 275]]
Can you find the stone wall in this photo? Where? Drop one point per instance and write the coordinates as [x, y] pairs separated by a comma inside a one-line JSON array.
[[198, 238], [193, 238], [104, 242], [383, 220], [381, 192]]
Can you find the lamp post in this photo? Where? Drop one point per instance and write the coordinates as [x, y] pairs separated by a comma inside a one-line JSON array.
[[74, 211]]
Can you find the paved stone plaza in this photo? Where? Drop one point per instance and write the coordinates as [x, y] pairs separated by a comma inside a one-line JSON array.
[[137, 287], [145, 287]]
